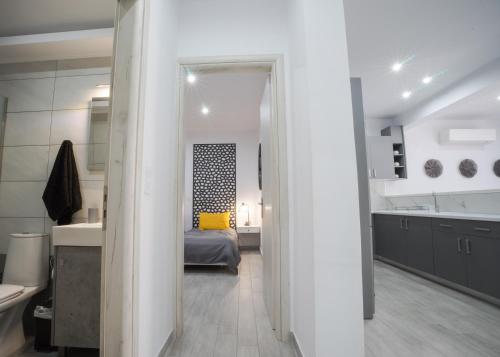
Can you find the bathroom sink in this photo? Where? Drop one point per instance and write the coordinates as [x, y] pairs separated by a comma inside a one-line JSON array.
[[80, 234]]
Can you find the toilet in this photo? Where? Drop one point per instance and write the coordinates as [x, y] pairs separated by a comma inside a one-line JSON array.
[[26, 273]]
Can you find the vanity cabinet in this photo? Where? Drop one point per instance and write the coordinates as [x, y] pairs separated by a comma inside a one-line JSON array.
[[77, 294], [463, 252]]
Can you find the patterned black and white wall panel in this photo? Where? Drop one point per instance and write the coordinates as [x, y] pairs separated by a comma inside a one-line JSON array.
[[214, 180]]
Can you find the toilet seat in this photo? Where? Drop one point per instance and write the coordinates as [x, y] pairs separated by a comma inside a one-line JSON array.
[[8, 292]]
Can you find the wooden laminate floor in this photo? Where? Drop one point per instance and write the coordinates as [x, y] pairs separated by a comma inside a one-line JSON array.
[[418, 318], [225, 316]]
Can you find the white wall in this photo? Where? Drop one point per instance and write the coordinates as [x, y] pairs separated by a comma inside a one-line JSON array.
[[157, 206], [325, 263], [422, 143], [47, 103], [321, 96], [247, 185]]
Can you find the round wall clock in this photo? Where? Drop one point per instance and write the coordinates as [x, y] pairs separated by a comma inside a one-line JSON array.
[[433, 168], [496, 168], [468, 168]]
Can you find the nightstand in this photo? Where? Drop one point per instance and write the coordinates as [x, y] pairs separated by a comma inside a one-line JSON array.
[[249, 237]]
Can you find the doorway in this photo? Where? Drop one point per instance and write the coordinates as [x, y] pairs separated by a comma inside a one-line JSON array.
[[274, 202]]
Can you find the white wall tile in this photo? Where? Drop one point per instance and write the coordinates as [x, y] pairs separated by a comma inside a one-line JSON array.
[[80, 152], [25, 163], [77, 92], [18, 225], [27, 128], [22, 199], [70, 125], [28, 94], [92, 196]]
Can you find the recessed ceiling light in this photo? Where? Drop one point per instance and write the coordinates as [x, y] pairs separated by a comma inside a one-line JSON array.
[[498, 98], [205, 110], [103, 85], [427, 80], [406, 94], [191, 78], [396, 67]]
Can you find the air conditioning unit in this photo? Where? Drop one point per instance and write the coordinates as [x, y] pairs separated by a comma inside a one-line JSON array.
[[468, 136]]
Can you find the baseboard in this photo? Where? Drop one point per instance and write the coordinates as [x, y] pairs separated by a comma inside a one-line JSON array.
[[168, 344], [295, 345]]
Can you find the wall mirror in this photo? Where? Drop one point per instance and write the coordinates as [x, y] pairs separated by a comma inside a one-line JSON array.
[[98, 134]]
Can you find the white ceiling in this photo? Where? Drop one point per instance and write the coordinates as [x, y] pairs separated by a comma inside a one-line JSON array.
[[482, 105], [233, 98], [454, 37], [25, 17]]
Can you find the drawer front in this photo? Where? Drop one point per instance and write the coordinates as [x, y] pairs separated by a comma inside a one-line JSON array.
[[422, 222], [447, 225], [249, 239], [481, 228], [248, 230]]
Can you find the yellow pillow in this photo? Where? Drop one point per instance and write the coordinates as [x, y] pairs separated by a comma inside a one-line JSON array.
[[214, 221]]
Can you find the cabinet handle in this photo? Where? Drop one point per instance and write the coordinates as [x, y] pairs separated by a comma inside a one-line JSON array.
[[445, 225], [374, 172], [459, 245], [467, 247], [401, 223], [406, 223], [481, 229]]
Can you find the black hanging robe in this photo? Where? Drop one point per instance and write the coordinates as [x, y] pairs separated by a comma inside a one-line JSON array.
[[62, 196]]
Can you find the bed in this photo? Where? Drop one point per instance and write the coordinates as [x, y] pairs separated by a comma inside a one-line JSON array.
[[212, 247]]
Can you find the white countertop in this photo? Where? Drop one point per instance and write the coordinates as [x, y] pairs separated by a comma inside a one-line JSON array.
[[78, 235], [450, 215]]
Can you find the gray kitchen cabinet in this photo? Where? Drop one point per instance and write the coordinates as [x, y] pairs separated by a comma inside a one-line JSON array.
[[460, 253], [380, 157], [389, 237], [405, 240], [419, 243], [450, 260], [483, 264], [77, 292]]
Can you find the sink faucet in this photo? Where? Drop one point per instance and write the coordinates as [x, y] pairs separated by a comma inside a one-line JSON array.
[[436, 206]]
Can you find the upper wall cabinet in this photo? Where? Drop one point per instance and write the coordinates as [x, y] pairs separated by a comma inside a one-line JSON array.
[[387, 155], [380, 164]]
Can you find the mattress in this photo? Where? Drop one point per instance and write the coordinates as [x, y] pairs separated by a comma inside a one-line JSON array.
[[212, 247]]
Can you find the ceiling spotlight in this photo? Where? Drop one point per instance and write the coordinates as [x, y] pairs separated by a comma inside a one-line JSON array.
[[427, 80], [406, 94], [103, 85], [191, 78], [498, 98], [396, 67], [205, 110]]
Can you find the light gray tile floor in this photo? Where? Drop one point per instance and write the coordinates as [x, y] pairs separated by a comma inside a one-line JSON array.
[[225, 316], [415, 317]]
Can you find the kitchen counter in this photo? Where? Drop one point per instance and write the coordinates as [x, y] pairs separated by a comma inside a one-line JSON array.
[[449, 215]]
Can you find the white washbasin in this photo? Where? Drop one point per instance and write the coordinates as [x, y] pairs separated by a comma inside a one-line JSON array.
[[80, 234]]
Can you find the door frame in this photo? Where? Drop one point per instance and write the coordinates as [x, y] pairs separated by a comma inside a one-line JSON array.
[[281, 276]]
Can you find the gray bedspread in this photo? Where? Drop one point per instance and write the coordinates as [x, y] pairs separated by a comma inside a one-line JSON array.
[[212, 247]]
